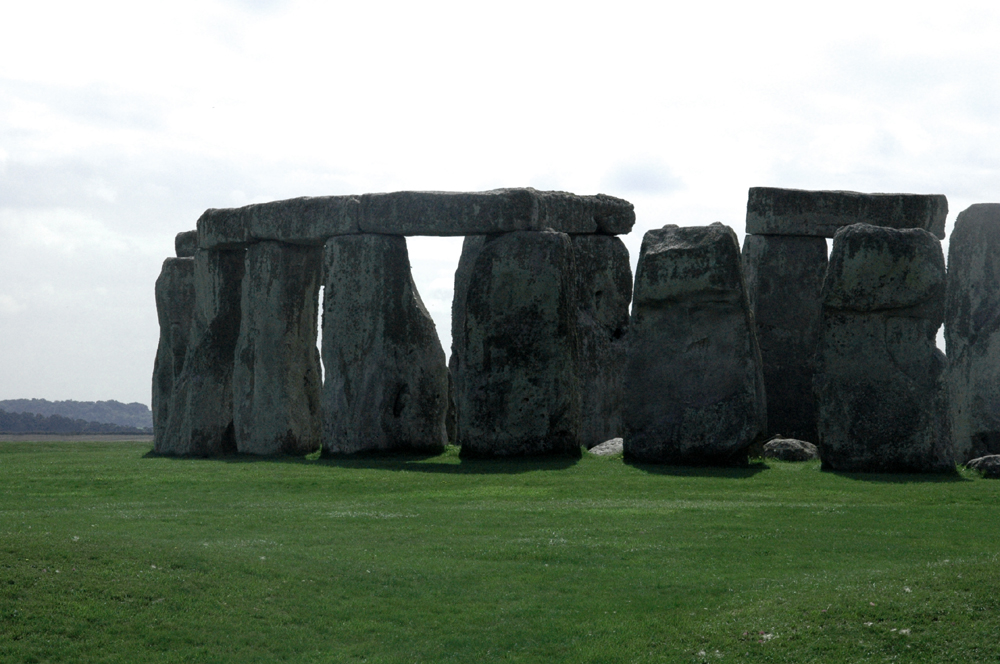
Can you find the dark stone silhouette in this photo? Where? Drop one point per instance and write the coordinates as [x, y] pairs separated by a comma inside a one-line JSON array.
[[694, 391], [972, 332], [881, 394], [386, 385], [175, 296]]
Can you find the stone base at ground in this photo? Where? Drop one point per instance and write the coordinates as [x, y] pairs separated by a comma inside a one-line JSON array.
[[988, 466], [789, 449]]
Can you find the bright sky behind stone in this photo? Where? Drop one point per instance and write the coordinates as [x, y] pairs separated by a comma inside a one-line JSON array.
[[121, 122]]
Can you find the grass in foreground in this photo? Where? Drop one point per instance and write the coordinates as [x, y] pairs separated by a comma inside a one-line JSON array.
[[107, 555]]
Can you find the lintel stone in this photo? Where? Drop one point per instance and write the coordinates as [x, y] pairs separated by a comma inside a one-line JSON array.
[[774, 211], [185, 244], [307, 220]]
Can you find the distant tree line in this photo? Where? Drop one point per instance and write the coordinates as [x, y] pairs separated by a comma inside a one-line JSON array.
[[135, 415], [34, 423]]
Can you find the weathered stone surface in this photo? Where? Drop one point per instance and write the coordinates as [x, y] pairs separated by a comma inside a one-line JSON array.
[[496, 211], [517, 391], [201, 420], [306, 220], [790, 449], [386, 386], [881, 395], [694, 391], [988, 466], [276, 379], [185, 244], [471, 248], [784, 277], [604, 291], [773, 211], [175, 310], [972, 332], [608, 447]]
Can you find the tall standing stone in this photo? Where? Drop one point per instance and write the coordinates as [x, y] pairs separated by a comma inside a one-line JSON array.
[[694, 392], [386, 385], [972, 332], [201, 421], [519, 392], [604, 291], [471, 247], [175, 294], [276, 379], [881, 394], [784, 276]]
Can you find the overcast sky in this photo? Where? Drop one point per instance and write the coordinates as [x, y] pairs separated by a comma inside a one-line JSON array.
[[121, 122]]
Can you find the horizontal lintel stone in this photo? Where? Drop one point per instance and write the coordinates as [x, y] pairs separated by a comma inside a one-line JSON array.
[[314, 220], [775, 211]]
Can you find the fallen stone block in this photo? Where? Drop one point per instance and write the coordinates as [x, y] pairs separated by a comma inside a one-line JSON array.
[[386, 386], [694, 391], [882, 401], [790, 449], [988, 466], [773, 211]]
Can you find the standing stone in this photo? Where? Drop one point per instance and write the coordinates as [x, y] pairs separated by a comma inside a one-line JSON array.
[[201, 419], [604, 291], [881, 394], [174, 309], [784, 276], [471, 247], [972, 332], [386, 385], [518, 392], [694, 392], [276, 379]]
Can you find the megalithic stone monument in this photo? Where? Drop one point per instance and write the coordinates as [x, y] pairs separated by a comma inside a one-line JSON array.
[[175, 295], [386, 386], [694, 391], [277, 375], [784, 259], [471, 246], [261, 344], [881, 393], [972, 332], [519, 391]]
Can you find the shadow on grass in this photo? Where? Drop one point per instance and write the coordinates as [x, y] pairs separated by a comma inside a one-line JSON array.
[[402, 461], [735, 472], [902, 478]]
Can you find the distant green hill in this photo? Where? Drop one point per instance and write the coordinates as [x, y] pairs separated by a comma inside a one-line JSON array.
[[135, 415], [33, 423]]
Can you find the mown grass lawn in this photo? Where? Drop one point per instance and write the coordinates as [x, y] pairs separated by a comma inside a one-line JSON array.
[[109, 555]]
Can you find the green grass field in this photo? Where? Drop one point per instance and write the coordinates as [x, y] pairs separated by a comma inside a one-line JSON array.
[[109, 555]]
